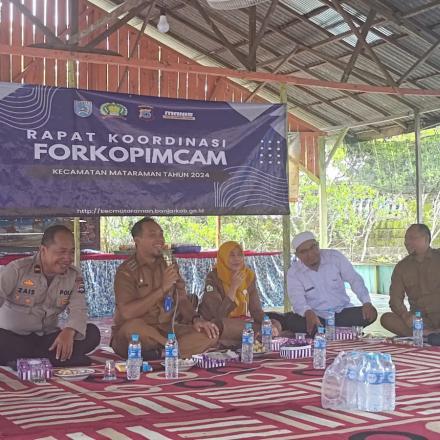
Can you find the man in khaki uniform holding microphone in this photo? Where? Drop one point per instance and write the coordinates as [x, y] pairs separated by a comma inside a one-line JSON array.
[[142, 284], [34, 291]]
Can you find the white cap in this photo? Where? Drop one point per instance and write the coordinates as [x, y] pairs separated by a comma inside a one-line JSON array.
[[302, 238]]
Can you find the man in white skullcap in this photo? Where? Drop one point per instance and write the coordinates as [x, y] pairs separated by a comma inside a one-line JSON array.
[[315, 285]]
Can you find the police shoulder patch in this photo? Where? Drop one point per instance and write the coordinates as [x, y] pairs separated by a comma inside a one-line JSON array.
[[79, 282], [132, 265]]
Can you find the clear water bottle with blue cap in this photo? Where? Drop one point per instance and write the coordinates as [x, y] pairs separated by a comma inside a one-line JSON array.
[[266, 333], [134, 358], [370, 394], [418, 329], [319, 350], [247, 344], [330, 326], [171, 357], [389, 382]]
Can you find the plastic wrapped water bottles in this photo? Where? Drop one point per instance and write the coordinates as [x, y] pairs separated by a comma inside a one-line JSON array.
[[330, 326], [171, 358], [319, 350], [418, 329], [370, 387], [360, 381], [134, 359], [332, 392], [247, 344], [266, 333], [389, 382]]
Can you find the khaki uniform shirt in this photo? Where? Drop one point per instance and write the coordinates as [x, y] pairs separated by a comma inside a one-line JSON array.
[[134, 280], [420, 281], [216, 305], [28, 305]]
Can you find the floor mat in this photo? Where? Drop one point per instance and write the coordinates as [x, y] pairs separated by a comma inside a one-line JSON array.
[[272, 398]]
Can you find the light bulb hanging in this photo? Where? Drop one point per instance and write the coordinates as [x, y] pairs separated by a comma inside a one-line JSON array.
[[162, 25]]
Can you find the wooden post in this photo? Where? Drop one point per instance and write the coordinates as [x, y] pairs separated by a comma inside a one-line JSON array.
[[218, 232], [323, 223], [71, 82], [286, 218], [419, 187]]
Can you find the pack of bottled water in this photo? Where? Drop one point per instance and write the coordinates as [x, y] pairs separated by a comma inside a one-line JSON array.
[[360, 381]]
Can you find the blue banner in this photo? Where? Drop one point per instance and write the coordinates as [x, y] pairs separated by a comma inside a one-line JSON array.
[[70, 152]]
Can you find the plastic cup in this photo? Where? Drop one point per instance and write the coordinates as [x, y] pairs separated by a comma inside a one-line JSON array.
[[110, 370]]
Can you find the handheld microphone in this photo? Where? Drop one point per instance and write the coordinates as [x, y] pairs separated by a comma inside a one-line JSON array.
[[167, 255]]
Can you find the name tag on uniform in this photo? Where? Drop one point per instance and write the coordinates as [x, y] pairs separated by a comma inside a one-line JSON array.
[[64, 297]]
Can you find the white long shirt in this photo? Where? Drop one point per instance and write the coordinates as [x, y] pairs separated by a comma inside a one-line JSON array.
[[324, 289]]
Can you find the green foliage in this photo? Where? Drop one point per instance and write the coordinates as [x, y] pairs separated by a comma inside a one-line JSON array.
[[371, 202]]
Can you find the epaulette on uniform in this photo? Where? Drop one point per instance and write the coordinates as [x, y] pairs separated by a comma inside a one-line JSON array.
[[132, 265]]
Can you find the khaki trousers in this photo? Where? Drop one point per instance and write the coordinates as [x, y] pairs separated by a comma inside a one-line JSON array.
[[154, 337]]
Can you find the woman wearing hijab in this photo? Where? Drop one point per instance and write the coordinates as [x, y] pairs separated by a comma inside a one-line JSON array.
[[231, 296]]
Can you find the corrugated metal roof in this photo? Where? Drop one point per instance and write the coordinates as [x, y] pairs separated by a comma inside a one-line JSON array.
[[402, 32]]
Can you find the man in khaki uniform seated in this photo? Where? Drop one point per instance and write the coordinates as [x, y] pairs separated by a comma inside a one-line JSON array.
[[141, 286], [418, 277], [34, 291]]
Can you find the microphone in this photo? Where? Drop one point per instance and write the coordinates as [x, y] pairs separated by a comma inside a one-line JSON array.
[[167, 254]]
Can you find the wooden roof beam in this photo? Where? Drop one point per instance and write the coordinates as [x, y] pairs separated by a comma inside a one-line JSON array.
[[37, 22], [359, 45], [263, 26], [211, 71], [420, 9], [240, 57], [392, 16], [110, 18], [393, 41], [364, 76], [260, 86], [347, 18], [101, 37], [253, 45], [419, 61], [391, 118], [338, 108], [135, 45]]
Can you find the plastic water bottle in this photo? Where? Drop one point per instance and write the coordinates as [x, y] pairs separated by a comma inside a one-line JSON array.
[[266, 333], [134, 359], [370, 391], [247, 344], [418, 330], [330, 329], [350, 391], [389, 383], [171, 358], [319, 350]]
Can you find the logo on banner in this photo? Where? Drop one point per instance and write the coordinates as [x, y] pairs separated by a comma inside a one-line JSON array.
[[145, 112], [83, 109], [113, 110], [180, 116]]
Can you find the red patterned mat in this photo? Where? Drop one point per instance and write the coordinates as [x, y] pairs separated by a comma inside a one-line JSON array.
[[274, 399]]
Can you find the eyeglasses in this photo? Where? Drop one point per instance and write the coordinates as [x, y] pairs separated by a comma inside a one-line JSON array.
[[303, 251]]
